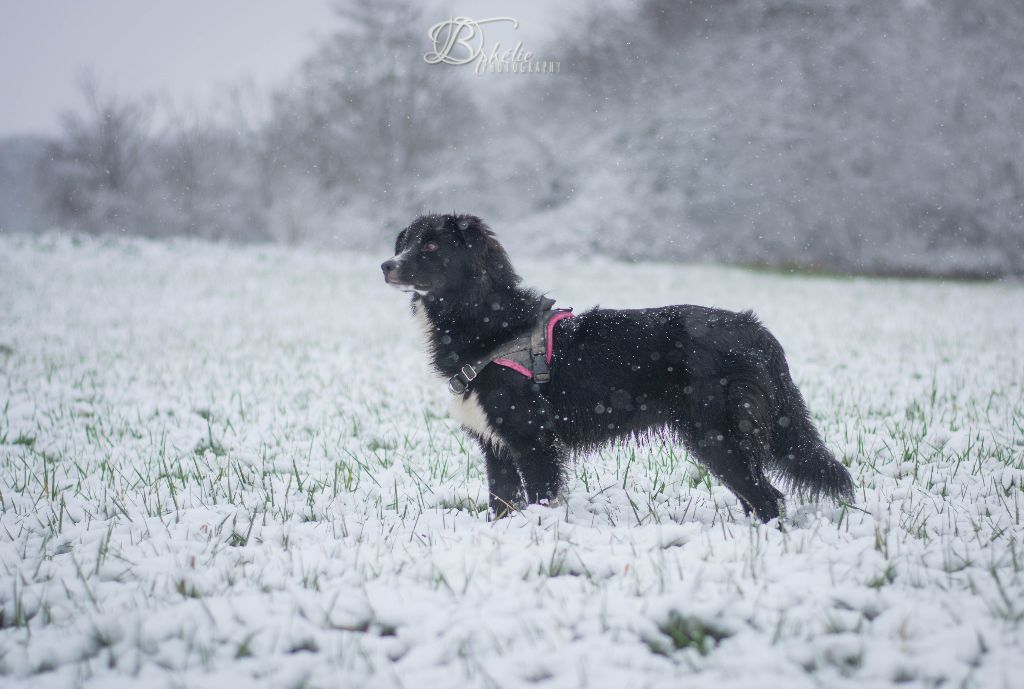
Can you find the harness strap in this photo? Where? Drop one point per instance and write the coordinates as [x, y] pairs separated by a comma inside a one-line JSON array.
[[528, 354], [538, 347]]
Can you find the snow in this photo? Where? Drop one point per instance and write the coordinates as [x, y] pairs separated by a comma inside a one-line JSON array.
[[232, 465]]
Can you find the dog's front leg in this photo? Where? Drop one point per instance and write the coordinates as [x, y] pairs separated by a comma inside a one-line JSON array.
[[522, 424], [541, 466], [503, 482]]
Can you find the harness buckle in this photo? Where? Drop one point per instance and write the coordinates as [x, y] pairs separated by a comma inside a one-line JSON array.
[[458, 383]]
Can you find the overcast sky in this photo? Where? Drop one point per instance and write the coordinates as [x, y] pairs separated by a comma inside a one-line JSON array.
[[187, 49]]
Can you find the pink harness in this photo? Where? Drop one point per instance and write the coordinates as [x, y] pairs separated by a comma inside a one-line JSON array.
[[529, 354], [519, 368]]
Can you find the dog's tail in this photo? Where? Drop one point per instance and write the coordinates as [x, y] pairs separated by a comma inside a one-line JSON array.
[[799, 454]]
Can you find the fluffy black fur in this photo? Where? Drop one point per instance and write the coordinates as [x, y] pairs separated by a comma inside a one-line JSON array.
[[717, 380]]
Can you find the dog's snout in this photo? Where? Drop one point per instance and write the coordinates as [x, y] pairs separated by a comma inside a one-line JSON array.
[[389, 266]]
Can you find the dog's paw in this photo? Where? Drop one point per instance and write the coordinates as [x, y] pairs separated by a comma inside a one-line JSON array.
[[500, 511]]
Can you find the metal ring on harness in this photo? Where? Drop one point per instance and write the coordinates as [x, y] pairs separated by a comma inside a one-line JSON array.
[[458, 383]]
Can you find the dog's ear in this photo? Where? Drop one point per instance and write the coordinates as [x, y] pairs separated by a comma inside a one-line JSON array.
[[470, 230]]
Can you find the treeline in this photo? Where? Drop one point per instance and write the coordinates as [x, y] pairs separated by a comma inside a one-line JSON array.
[[848, 134], [843, 135]]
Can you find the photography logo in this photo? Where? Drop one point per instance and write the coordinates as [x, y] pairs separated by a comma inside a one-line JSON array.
[[460, 41]]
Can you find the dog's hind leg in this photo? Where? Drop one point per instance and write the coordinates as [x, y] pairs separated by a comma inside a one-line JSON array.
[[723, 424], [738, 464], [741, 473], [503, 482]]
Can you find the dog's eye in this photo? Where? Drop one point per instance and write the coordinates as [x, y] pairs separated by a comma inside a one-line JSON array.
[[429, 247]]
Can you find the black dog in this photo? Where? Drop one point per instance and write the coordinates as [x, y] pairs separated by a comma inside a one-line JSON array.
[[715, 379]]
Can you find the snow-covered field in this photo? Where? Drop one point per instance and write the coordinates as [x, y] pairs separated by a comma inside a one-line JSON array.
[[229, 467]]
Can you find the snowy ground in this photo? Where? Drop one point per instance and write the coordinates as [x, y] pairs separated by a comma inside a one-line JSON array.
[[230, 467]]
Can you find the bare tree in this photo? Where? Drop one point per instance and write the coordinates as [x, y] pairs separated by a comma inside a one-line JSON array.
[[367, 118], [97, 163]]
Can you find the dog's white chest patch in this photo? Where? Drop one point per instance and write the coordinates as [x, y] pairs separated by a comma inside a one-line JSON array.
[[466, 410], [419, 314], [469, 412], [423, 323]]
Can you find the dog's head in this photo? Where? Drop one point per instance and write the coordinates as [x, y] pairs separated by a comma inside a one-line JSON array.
[[447, 254]]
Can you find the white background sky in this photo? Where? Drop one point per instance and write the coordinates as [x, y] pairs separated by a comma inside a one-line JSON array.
[[187, 49]]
